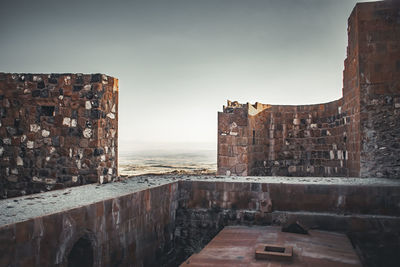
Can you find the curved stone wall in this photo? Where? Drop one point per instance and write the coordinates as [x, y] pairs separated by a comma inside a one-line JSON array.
[[357, 135]]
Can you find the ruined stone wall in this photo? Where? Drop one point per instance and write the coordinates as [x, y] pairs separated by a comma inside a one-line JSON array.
[[378, 35], [357, 135], [233, 140], [299, 140], [56, 131], [284, 140]]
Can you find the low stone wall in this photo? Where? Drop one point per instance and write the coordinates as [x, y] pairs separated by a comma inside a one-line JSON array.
[[130, 229], [368, 213], [160, 221]]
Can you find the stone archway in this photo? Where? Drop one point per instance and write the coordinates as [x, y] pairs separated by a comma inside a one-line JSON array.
[[82, 253]]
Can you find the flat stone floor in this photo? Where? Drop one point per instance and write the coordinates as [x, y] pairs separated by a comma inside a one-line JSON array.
[[236, 245], [19, 209]]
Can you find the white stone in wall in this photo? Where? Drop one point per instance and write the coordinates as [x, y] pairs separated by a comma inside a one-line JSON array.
[[112, 131], [67, 80], [49, 181], [87, 87], [1, 151], [103, 157], [340, 154], [87, 133], [45, 133], [78, 164], [111, 115], [101, 179], [7, 141], [113, 108], [14, 171], [110, 171], [67, 121], [52, 150], [23, 138], [20, 162], [314, 126], [73, 123], [36, 179], [233, 133], [70, 152], [29, 144], [88, 105], [80, 153], [47, 158], [292, 169], [34, 128], [74, 179], [332, 154]]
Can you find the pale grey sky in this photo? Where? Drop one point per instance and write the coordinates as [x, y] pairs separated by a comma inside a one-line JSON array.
[[179, 61]]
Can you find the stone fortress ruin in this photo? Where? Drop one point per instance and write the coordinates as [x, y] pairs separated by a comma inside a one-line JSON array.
[[61, 130], [357, 135]]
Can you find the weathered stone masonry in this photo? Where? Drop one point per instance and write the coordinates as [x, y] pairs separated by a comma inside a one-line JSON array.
[[357, 135], [56, 130]]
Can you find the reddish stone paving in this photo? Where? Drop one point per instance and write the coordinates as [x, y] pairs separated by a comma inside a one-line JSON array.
[[236, 245]]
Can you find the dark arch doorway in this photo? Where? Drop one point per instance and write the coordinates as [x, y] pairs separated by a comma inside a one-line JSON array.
[[81, 254]]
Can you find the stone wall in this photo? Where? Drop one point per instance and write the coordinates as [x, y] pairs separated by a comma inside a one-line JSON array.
[[283, 140], [357, 135], [205, 208], [378, 34], [161, 220], [56, 130], [134, 229]]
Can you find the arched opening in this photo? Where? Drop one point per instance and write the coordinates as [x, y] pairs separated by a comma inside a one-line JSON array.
[[81, 254]]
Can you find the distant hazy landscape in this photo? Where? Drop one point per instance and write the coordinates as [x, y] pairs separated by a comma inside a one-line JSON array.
[[166, 158]]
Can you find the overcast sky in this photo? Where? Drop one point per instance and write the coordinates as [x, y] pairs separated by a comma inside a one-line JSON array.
[[179, 61]]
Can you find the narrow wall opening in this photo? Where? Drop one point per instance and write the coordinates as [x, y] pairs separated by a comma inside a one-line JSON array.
[[81, 254]]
